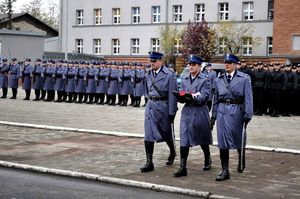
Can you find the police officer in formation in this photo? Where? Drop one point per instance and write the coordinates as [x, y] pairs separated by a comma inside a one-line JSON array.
[[113, 86], [194, 121], [207, 70], [26, 76], [60, 80], [4, 69], [13, 77], [160, 110], [50, 71], [233, 110], [71, 81], [81, 81], [138, 84], [38, 78]]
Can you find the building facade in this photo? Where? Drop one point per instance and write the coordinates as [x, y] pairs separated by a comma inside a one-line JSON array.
[[132, 28]]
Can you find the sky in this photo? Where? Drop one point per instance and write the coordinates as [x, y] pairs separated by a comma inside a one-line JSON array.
[[19, 3]]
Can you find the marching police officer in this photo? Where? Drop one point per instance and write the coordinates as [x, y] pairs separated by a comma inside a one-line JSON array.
[[194, 121], [13, 77], [160, 110], [27, 77], [233, 110], [4, 68]]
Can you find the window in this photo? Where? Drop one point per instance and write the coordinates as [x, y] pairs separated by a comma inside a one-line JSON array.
[[155, 44], [135, 46], [115, 46], [270, 9], [177, 10], [97, 46], [156, 14], [79, 45], [98, 16], [116, 15], [222, 45], [223, 11], [199, 12], [177, 46], [248, 11], [247, 46], [79, 17], [136, 15], [270, 45], [295, 42]]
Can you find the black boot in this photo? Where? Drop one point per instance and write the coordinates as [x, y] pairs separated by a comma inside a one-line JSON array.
[[37, 94], [138, 102], [149, 147], [207, 158], [182, 171], [125, 100], [146, 100], [120, 99], [224, 174], [241, 166], [27, 92], [80, 97], [131, 100], [4, 95], [14, 92], [97, 96], [173, 154], [43, 95]]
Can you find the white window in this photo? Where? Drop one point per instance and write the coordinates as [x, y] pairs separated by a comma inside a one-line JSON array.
[[248, 11], [135, 46], [199, 12], [98, 16], [295, 42], [223, 11], [270, 45], [79, 17], [156, 14], [115, 46], [270, 9], [136, 15], [79, 45], [97, 46], [222, 45], [116, 15], [155, 44], [247, 46], [177, 13], [177, 46]]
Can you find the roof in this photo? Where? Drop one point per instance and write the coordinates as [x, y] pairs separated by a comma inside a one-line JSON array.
[[4, 18]]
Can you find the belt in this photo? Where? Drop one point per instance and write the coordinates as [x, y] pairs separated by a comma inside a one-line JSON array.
[[48, 75], [158, 98], [231, 101], [113, 78], [102, 77], [26, 75], [81, 77], [126, 78], [91, 77], [58, 76]]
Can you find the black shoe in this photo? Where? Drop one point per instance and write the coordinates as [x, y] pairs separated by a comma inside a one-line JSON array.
[[223, 175], [147, 167], [181, 172], [26, 98], [207, 165], [13, 97], [171, 159], [3, 97], [36, 99]]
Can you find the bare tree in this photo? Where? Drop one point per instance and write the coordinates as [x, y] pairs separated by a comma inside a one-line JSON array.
[[6, 8]]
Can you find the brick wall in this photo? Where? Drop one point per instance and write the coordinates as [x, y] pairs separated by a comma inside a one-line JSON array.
[[286, 23]]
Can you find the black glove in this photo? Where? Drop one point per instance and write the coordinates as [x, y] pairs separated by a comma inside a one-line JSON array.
[[212, 122], [171, 118], [246, 121], [188, 98]]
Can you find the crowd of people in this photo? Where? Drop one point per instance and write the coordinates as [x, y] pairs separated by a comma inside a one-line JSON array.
[[75, 82]]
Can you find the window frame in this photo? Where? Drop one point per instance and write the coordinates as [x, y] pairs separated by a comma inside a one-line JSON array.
[[98, 18], [155, 44], [79, 17], [116, 47], [97, 46], [269, 46], [222, 46], [200, 15], [136, 16], [248, 46], [247, 12], [79, 46], [224, 13], [135, 46], [116, 16], [177, 14], [156, 15]]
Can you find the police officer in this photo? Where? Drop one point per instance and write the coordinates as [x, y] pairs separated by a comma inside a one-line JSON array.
[[233, 110], [211, 74], [13, 77], [38, 78], [71, 81], [245, 68], [160, 110], [49, 81], [289, 93], [138, 79], [81, 82], [91, 82], [194, 122], [60, 80], [4, 68], [260, 83], [102, 82], [125, 84], [27, 77], [297, 107], [113, 84]]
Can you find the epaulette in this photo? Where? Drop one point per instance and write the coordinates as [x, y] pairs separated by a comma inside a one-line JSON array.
[[221, 75]]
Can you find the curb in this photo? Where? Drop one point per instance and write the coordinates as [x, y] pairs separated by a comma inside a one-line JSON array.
[[132, 135], [118, 181]]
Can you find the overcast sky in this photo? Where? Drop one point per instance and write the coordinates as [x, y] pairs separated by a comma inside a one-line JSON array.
[[19, 3]]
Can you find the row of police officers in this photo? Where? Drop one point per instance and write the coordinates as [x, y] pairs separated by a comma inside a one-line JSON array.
[[76, 81]]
